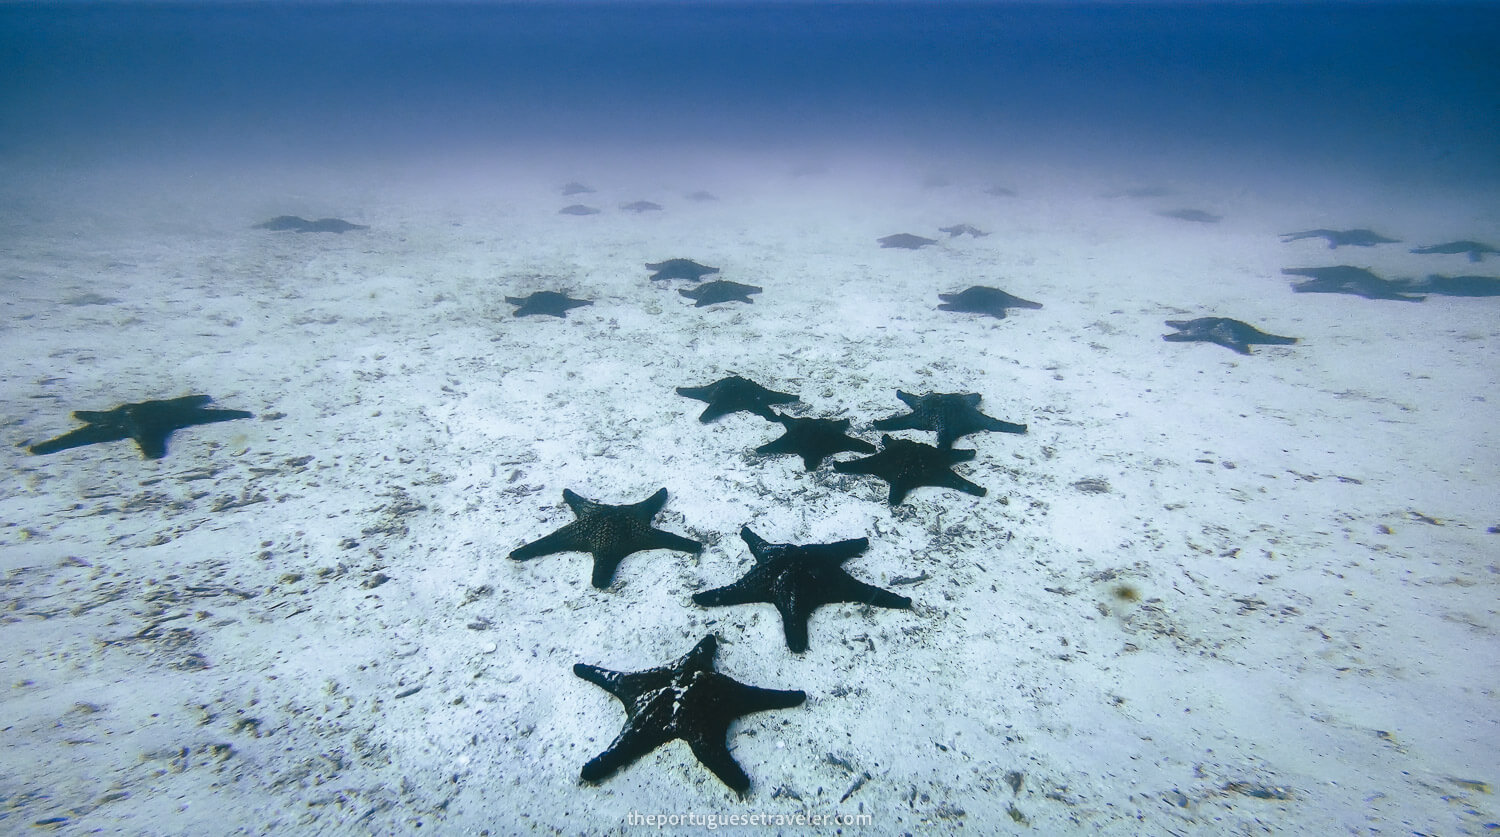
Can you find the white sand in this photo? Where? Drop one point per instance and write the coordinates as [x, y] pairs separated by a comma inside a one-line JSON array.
[[201, 645]]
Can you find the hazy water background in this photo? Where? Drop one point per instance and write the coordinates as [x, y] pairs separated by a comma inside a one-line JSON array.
[[1388, 90]]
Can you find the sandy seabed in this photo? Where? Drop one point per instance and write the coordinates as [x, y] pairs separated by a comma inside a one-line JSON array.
[[1205, 593]]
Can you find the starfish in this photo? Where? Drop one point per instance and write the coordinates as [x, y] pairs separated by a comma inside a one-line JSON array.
[[907, 465], [814, 439], [963, 229], [906, 241], [797, 580], [1344, 279], [609, 533], [577, 209], [1458, 285], [684, 699], [735, 394], [1475, 250], [1231, 334], [302, 225], [546, 302], [680, 269], [149, 423], [641, 206], [979, 299], [1195, 215], [950, 414], [1341, 238], [713, 293]]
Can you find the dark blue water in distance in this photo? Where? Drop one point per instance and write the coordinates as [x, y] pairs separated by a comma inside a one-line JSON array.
[[1411, 86]]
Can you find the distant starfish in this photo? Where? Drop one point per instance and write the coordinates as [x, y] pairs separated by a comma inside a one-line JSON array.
[[1475, 250], [735, 394], [1346, 279], [546, 302], [907, 465], [979, 299], [1231, 334], [609, 533], [1194, 215], [814, 439], [713, 293], [680, 269], [684, 699], [149, 423], [299, 224], [1341, 238], [906, 241], [797, 580], [949, 414]]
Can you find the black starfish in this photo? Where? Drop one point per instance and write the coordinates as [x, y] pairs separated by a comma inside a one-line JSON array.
[[577, 209], [1195, 215], [546, 302], [907, 465], [609, 533], [735, 394], [979, 299], [685, 699], [1457, 285], [906, 241], [963, 229], [149, 423], [1231, 334], [713, 293], [1341, 238], [680, 269], [814, 439], [1474, 249], [641, 206], [950, 414], [1344, 279], [302, 225], [797, 580]]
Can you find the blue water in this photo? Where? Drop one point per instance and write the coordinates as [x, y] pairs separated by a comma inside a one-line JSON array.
[[1412, 85]]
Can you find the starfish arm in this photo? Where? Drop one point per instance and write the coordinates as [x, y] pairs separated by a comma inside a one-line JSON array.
[[632, 743], [910, 421], [850, 589], [566, 539], [87, 435], [837, 552], [747, 590], [152, 440], [666, 540], [181, 403], [215, 416], [998, 425], [746, 699], [898, 493], [604, 570], [581, 506], [868, 465], [653, 504], [795, 612], [715, 756], [952, 480], [759, 546]]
